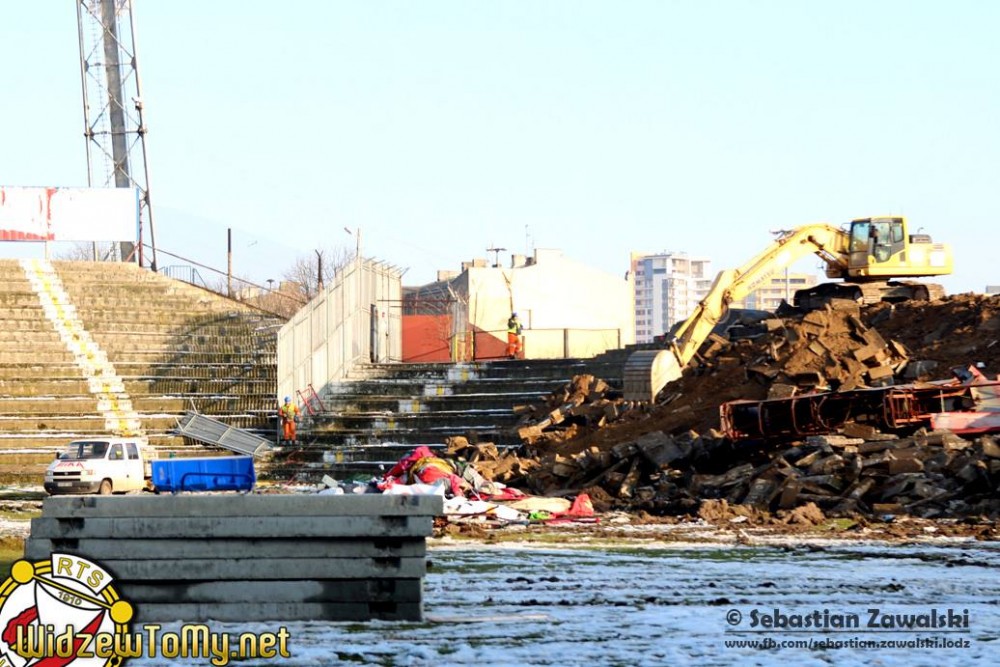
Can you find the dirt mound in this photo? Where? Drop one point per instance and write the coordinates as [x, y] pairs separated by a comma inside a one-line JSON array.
[[958, 330], [670, 456], [805, 515], [824, 350], [833, 350]]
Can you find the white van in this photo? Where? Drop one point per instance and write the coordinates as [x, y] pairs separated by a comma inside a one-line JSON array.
[[99, 465]]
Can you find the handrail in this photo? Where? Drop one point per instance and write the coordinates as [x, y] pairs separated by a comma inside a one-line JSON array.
[[292, 297]]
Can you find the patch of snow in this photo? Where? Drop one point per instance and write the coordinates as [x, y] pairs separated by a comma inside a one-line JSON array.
[[641, 606]]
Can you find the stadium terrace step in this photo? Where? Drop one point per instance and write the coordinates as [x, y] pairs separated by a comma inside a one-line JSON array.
[[141, 371], [8, 356], [464, 402], [559, 370], [405, 388], [78, 423], [28, 337], [28, 368], [390, 422], [40, 405]]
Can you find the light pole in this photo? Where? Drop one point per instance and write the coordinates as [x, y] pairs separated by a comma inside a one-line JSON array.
[[357, 237], [319, 271]]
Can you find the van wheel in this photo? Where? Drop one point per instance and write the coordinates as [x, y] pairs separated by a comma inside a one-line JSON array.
[[105, 489]]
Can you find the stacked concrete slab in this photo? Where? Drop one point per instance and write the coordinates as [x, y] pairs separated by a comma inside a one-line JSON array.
[[234, 557]]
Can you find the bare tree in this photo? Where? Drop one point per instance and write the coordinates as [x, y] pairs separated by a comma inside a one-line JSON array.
[[85, 251], [311, 272]]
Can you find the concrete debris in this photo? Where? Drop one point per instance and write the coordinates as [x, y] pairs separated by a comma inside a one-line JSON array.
[[672, 458], [925, 474], [581, 402]]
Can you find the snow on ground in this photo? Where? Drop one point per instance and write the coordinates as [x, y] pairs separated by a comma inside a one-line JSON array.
[[14, 528], [640, 606]]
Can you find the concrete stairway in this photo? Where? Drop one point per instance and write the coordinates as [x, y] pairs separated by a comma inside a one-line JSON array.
[[93, 348], [125, 344], [384, 410]]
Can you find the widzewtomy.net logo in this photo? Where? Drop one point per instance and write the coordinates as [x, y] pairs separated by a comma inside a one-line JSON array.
[[65, 612], [60, 610]]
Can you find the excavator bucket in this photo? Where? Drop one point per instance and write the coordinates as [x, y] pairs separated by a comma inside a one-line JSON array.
[[647, 372]]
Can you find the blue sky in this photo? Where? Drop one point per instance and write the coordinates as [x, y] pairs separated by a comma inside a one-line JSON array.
[[442, 128]]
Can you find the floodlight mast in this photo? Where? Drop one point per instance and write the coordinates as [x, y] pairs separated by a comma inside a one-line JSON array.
[[115, 133]]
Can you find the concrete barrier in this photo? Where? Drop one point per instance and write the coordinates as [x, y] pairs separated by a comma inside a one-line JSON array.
[[232, 557]]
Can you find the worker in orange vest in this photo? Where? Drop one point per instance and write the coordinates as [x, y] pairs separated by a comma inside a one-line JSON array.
[[513, 337], [289, 413]]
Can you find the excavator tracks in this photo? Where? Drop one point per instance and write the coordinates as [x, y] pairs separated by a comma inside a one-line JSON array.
[[819, 296]]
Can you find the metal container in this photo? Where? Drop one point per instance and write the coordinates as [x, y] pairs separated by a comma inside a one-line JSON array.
[[219, 473]]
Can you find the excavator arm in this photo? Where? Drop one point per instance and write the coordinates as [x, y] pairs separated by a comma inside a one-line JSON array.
[[648, 371]]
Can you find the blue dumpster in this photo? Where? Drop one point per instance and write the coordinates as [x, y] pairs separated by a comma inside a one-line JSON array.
[[218, 473]]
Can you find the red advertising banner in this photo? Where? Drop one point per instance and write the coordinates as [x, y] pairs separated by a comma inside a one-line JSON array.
[[68, 214]]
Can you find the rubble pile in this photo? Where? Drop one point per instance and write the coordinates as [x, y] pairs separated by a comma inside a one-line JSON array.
[[860, 471], [830, 349], [929, 475], [958, 330], [489, 461], [585, 401], [670, 457], [826, 349]]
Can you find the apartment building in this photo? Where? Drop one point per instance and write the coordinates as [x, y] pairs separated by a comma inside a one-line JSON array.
[[779, 287], [668, 287]]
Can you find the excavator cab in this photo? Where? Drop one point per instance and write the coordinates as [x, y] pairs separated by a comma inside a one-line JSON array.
[[876, 255], [882, 248], [879, 240]]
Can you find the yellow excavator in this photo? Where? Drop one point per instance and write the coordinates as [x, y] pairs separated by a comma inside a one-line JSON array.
[[865, 256]]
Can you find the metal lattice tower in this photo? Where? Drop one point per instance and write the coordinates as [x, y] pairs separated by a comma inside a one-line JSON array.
[[112, 109]]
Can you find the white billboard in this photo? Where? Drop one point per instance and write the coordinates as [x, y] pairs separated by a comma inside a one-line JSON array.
[[68, 214]]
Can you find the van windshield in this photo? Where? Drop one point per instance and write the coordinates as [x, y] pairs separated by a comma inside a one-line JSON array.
[[79, 451]]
